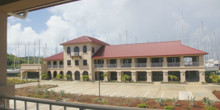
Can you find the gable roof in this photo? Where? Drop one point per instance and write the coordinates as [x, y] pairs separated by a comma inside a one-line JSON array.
[[58, 56], [84, 39], [170, 48]]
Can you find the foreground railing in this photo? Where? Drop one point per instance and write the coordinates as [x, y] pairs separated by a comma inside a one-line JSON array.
[[51, 103]]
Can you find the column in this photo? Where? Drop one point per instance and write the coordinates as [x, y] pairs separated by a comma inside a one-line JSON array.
[[3, 48], [73, 76], [119, 76], [149, 76], [105, 76], [183, 76], [118, 63], [165, 76], [202, 76], [182, 61], [148, 62], [134, 76], [52, 76], [201, 60], [58, 64], [164, 61], [133, 62], [105, 63]]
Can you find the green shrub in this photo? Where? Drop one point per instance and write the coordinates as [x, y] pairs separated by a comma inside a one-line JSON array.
[[62, 92], [59, 77], [214, 78], [68, 77], [207, 101], [85, 77], [142, 105], [36, 96], [45, 96], [173, 77], [160, 101], [126, 77], [52, 92], [210, 108], [169, 108], [44, 76]]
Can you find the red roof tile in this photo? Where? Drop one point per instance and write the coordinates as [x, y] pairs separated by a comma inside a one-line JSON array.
[[170, 48], [58, 56], [84, 39]]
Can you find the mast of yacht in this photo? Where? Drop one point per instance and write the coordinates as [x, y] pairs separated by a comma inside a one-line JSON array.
[[28, 53], [34, 53], [39, 53]]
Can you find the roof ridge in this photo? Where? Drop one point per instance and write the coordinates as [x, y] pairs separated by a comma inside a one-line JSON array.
[[146, 43], [87, 37], [193, 48]]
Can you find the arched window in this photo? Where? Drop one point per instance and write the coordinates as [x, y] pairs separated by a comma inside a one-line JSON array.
[[93, 50], [84, 49], [68, 50], [76, 49]]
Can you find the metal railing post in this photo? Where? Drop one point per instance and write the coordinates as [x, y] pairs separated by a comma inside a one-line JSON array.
[[5, 103], [37, 106], [50, 107], [14, 104], [25, 105], [64, 107]]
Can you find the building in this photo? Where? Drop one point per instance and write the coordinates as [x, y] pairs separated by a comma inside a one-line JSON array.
[[142, 61]]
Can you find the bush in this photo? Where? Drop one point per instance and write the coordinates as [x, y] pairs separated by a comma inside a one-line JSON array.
[[85, 77], [160, 101], [59, 76], [126, 77], [173, 77], [142, 105], [214, 78], [46, 96], [44, 76], [62, 92], [210, 108], [68, 77], [169, 108]]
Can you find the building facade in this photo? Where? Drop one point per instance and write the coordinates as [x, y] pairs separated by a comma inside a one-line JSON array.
[[146, 62]]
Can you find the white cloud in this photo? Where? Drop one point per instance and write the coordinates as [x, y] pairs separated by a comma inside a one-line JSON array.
[[141, 18]]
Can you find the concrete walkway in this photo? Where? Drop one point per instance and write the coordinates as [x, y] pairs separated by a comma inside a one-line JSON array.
[[156, 90]]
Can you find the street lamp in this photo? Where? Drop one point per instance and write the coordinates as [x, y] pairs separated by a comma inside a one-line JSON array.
[[99, 83], [38, 77]]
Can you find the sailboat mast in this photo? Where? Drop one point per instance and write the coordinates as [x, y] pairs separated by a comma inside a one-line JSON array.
[[39, 53]]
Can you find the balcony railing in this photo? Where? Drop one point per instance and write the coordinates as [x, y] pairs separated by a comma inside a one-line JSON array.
[[156, 64], [126, 65], [99, 65], [60, 66], [48, 66], [54, 66], [192, 64], [141, 65], [173, 64], [51, 103], [111, 65], [74, 54]]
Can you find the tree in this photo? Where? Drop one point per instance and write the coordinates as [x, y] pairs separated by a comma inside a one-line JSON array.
[[126, 78], [85, 77], [44, 76]]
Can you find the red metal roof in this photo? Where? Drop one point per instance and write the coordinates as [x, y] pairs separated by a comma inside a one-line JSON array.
[[58, 56], [84, 39], [170, 48]]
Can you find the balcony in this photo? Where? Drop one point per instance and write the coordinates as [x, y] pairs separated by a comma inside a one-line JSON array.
[[60, 66], [173, 64], [99, 66], [54, 66], [74, 54], [48, 66], [111, 65], [126, 65], [192, 64], [140, 65], [156, 64]]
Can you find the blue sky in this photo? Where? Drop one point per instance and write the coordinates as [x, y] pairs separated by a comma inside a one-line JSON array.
[[144, 20]]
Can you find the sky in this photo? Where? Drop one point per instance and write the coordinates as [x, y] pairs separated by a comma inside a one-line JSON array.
[[118, 22]]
